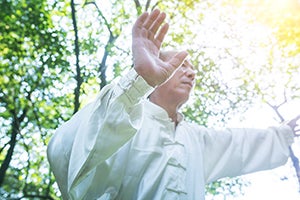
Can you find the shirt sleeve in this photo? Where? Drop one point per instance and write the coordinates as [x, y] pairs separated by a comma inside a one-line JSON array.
[[235, 152], [97, 131]]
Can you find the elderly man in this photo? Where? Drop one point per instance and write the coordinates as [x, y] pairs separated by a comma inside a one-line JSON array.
[[133, 143]]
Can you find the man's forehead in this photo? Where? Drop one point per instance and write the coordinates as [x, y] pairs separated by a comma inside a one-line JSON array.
[[168, 54]]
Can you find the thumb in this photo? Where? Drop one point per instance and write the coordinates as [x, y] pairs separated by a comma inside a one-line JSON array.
[[293, 123], [177, 60]]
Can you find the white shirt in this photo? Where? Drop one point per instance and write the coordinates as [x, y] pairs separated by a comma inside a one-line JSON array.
[[122, 146]]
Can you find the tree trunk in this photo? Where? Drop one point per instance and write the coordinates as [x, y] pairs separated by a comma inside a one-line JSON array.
[[78, 73], [12, 144], [103, 66]]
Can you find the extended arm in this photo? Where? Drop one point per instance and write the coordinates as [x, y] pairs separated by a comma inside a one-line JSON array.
[[234, 152]]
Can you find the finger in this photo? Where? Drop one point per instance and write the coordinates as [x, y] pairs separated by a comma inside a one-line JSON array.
[[157, 23], [177, 59], [294, 121], [151, 18], [139, 23], [161, 35]]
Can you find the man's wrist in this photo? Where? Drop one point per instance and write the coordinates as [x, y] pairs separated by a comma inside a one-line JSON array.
[[134, 86]]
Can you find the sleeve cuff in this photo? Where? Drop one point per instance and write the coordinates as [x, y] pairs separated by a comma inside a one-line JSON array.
[[288, 134], [133, 86]]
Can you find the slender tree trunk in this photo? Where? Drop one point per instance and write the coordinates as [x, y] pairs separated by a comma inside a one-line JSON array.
[[12, 144], [78, 73], [103, 66], [112, 38], [293, 157], [8, 157], [296, 165]]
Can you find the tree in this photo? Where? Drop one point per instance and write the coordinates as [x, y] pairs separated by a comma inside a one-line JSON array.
[[56, 55], [276, 79], [282, 17], [32, 65]]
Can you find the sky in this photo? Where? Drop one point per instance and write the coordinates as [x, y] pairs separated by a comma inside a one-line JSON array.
[[268, 185], [276, 184], [279, 183]]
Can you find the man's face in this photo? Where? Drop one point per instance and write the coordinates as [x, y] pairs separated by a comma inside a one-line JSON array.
[[178, 88]]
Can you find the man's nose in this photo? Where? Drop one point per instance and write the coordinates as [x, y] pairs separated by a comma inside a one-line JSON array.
[[191, 73]]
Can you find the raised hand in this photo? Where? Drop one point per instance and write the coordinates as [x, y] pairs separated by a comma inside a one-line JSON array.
[[147, 36], [294, 124]]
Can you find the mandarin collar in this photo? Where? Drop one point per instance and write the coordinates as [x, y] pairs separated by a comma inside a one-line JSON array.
[[159, 112]]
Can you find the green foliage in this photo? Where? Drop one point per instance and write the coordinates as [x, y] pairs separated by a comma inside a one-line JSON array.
[[231, 187], [281, 18], [32, 66], [284, 18], [37, 70]]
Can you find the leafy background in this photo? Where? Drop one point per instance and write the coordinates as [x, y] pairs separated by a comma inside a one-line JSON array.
[[55, 55]]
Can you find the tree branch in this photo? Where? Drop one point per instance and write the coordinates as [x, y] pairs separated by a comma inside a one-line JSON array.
[[1, 149], [276, 107], [12, 143], [293, 157], [78, 73], [295, 162], [109, 44], [147, 5]]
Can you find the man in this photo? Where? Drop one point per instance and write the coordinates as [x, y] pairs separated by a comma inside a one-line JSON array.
[[132, 142]]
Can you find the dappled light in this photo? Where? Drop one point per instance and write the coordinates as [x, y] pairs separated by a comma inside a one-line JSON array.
[[246, 55]]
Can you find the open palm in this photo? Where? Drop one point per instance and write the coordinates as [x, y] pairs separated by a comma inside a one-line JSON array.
[[294, 125], [147, 36]]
